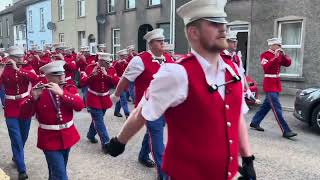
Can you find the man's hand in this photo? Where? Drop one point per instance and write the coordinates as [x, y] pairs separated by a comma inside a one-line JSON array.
[[247, 171], [14, 64], [104, 72], [114, 147], [55, 88], [36, 92], [114, 98]]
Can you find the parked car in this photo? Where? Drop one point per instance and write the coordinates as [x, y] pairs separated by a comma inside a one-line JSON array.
[[254, 89], [307, 107]]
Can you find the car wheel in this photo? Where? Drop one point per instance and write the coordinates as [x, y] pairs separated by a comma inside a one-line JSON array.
[[316, 118]]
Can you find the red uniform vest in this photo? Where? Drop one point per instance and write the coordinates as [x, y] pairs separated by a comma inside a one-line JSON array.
[[46, 113], [203, 130], [142, 82], [271, 66], [99, 83], [16, 83], [120, 66]]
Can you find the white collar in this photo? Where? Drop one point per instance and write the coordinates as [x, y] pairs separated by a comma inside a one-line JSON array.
[[206, 65]]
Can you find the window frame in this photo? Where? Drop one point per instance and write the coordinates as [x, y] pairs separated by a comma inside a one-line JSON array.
[[150, 3], [61, 10], [17, 32], [167, 39], [1, 29], [279, 23], [8, 27], [81, 8], [113, 45], [109, 3], [128, 3], [30, 15], [61, 36], [42, 26]]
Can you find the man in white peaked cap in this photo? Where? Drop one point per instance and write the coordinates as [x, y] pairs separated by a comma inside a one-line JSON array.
[[15, 79], [140, 71], [271, 62], [53, 105], [201, 98]]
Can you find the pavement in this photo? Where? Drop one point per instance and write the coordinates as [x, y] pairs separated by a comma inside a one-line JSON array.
[[276, 157]]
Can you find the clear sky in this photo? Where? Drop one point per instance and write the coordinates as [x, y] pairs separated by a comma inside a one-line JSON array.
[[4, 3]]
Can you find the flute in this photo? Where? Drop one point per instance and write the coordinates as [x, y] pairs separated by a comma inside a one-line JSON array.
[[44, 86], [9, 63]]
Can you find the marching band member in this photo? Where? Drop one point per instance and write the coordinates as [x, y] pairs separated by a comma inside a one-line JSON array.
[[53, 104], [201, 98], [140, 71], [16, 79], [100, 78], [271, 61]]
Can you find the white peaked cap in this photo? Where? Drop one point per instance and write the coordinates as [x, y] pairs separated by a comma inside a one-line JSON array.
[[54, 67], [130, 47], [210, 10], [273, 41], [232, 36], [104, 56], [15, 50], [154, 34], [122, 52], [101, 45]]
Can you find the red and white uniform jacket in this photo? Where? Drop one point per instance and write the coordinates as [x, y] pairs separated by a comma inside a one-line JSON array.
[[83, 62], [271, 67], [120, 66], [70, 68], [17, 86], [203, 142], [151, 67], [99, 85], [53, 111]]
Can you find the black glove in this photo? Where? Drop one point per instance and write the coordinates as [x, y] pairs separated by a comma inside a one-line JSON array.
[[247, 170], [114, 147]]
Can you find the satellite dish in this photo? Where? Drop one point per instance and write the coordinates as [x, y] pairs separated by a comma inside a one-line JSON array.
[[101, 19], [51, 26]]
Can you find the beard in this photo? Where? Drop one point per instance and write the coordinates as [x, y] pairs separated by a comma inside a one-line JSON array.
[[217, 45]]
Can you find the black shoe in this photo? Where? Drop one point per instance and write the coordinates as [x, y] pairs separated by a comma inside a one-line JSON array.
[[256, 127], [118, 114], [148, 163], [289, 134], [23, 176], [129, 100], [127, 115], [93, 141]]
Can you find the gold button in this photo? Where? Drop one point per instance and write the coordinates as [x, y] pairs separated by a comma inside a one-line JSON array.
[[229, 174], [229, 124], [227, 107], [230, 158], [230, 141]]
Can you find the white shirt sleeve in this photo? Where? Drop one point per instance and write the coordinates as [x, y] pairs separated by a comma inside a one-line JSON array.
[[134, 69], [169, 88]]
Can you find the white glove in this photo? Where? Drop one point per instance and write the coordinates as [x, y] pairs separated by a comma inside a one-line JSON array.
[[114, 98], [249, 94]]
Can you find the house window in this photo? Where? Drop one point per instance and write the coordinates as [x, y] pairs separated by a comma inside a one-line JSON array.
[[111, 6], [42, 43], [154, 2], [17, 32], [0, 28], [82, 38], [30, 20], [23, 31], [81, 8], [42, 20], [61, 37], [61, 9], [291, 34], [130, 4], [115, 42], [8, 27], [166, 31]]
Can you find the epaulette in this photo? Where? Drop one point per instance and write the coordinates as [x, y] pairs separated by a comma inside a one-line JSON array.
[[184, 57]]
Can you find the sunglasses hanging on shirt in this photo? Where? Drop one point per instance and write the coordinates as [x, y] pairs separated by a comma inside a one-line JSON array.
[[214, 87]]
